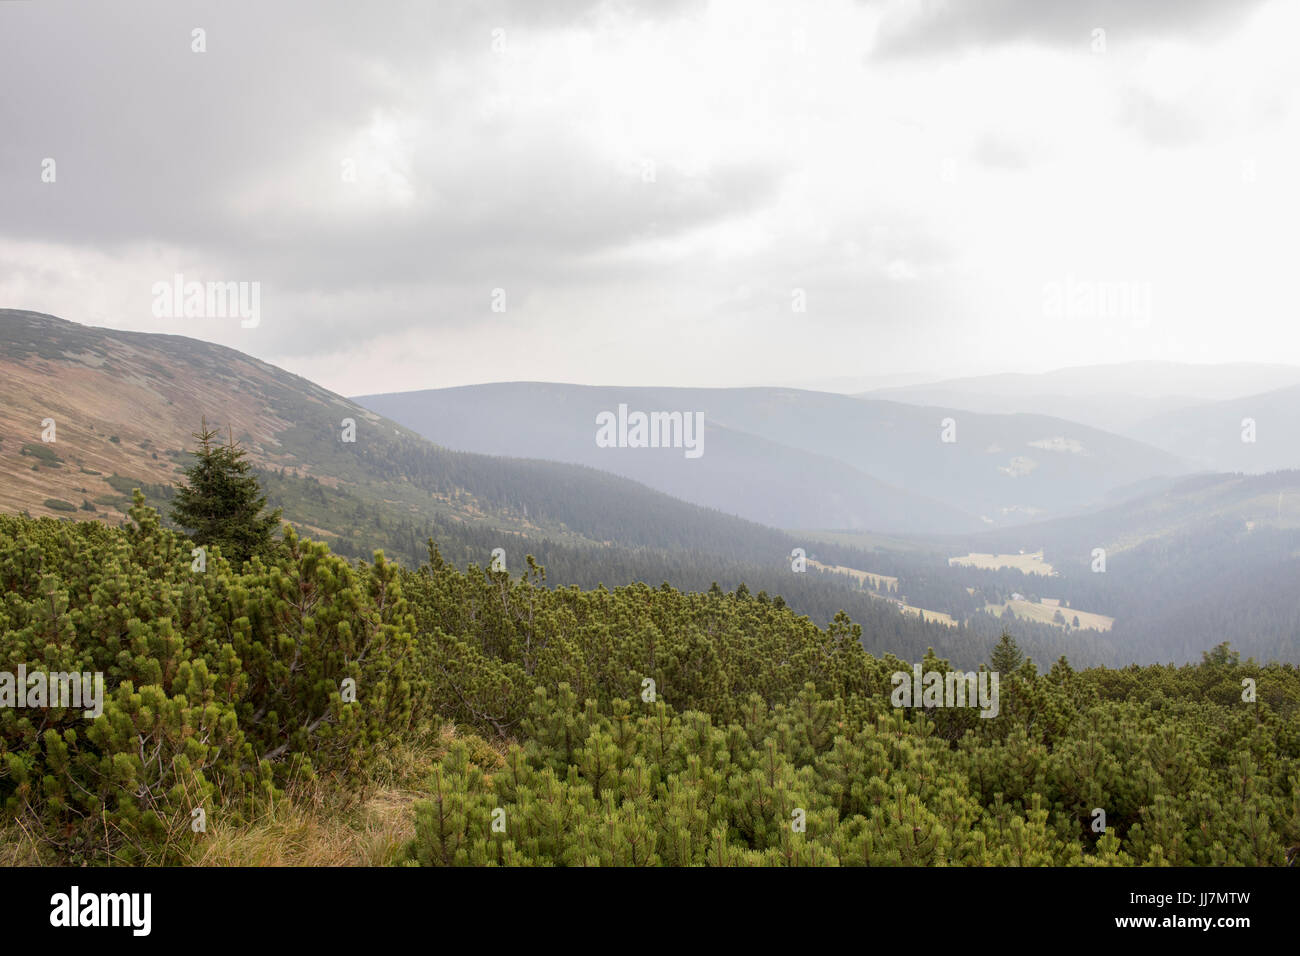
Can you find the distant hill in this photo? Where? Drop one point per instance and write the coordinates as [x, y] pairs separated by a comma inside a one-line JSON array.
[[1111, 397], [796, 458], [740, 472], [1250, 502], [1211, 434]]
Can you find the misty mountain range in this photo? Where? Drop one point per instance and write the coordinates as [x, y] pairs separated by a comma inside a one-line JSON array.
[[854, 482], [1106, 428]]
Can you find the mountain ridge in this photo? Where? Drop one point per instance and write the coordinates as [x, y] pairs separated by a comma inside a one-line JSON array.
[[1001, 469]]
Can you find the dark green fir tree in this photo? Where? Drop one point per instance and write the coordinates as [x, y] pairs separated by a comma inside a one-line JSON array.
[[221, 502], [1006, 657]]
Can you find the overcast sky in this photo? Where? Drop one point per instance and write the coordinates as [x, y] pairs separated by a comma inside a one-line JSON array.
[[657, 186]]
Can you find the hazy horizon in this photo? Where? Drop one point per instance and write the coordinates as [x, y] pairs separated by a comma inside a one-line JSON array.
[[848, 385], [843, 385]]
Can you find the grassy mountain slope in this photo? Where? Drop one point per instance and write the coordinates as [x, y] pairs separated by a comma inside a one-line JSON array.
[[125, 404]]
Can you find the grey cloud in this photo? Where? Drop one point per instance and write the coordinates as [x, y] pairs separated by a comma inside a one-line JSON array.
[[158, 145], [552, 235], [934, 26]]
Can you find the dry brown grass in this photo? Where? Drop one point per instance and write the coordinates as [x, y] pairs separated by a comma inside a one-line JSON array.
[[18, 848], [310, 825], [875, 580], [145, 397], [292, 833], [1028, 563], [1045, 613], [308, 828]]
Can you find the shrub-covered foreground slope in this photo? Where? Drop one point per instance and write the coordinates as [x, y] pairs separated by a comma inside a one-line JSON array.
[[768, 740]]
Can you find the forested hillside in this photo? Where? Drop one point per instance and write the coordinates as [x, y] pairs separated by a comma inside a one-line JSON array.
[[635, 726], [1208, 555]]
